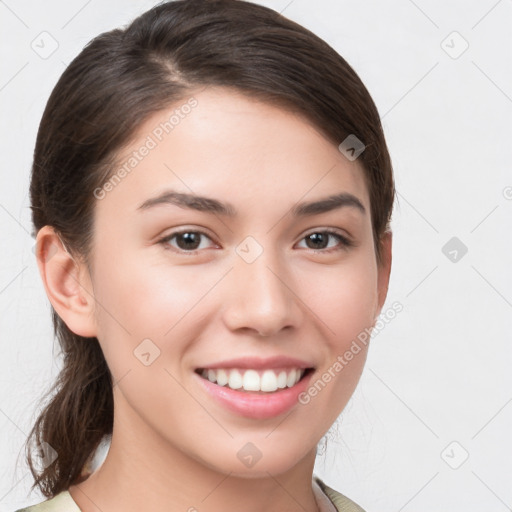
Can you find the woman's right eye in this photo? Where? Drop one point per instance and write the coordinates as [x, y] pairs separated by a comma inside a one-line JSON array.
[[187, 241]]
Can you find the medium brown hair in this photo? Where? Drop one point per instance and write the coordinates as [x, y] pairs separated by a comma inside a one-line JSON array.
[[120, 79]]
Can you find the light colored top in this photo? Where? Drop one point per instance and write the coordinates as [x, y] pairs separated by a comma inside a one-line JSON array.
[[328, 500]]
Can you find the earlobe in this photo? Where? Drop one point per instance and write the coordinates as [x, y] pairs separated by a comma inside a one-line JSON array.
[[67, 283]]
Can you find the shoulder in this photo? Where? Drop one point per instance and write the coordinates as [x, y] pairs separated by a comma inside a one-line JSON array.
[[62, 502], [341, 502]]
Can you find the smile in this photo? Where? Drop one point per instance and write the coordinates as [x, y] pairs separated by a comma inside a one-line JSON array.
[[255, 389], [252, 380]]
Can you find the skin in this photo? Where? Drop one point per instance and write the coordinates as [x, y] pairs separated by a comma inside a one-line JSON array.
[[173, 447]]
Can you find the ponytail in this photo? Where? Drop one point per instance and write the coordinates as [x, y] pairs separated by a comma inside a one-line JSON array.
[[77, 417]]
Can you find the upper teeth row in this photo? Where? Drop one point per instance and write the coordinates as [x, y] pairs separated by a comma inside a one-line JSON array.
[[251, 380]]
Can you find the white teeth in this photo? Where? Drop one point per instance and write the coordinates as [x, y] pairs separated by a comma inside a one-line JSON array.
[[222, 377], [281, 380], [251, 380], [254, 380], [290, 380], [268, 381], [235, 379]]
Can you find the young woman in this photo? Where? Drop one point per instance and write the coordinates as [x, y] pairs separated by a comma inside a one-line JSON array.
[[211, 193]]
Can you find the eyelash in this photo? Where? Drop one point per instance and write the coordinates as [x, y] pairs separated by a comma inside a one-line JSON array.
[[345, 242]]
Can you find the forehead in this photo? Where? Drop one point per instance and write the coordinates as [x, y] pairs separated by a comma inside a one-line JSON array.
[[218, 142]]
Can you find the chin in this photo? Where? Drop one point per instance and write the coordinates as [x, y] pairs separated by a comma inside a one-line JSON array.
[[251, 462]]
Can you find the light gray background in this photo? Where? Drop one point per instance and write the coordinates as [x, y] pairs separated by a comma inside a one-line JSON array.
[[437, 387]]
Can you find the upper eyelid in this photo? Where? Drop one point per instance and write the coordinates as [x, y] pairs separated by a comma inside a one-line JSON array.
[[203, 231], [338, 231]]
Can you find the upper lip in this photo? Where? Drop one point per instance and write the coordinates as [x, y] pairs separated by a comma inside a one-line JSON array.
[[259, 363]]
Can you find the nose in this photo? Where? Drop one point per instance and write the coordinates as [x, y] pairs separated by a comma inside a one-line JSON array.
[[261, 297]]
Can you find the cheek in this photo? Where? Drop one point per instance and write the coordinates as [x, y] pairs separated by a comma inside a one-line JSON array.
[[139, 301], [139, 297], [345, 300]]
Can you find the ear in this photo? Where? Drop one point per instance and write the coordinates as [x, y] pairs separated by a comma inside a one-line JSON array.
[[67, 283], [384, 269]]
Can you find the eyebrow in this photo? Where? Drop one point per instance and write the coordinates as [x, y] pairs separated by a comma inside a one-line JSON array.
[[210, 205]]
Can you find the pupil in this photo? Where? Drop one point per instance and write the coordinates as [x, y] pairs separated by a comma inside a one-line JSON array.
[[318, 237], [188, 238]]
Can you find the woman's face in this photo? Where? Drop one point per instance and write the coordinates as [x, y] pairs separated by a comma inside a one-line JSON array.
[[253, 289]]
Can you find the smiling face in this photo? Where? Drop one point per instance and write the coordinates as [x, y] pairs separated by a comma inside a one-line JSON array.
[[255, 281]]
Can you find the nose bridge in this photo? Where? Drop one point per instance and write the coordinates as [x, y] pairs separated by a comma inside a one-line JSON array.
[[261, 298]]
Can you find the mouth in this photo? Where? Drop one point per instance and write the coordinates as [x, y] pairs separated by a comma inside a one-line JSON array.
[[255, 387], [255, 381]]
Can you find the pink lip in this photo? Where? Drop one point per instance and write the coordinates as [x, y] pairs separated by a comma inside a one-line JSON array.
[[255, 405], [258, 363]]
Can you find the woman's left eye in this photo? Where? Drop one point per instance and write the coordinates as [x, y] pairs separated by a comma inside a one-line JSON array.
[[189, 241], [322, 241]]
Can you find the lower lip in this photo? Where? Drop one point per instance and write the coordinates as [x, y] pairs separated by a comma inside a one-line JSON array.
[[255, 405]]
